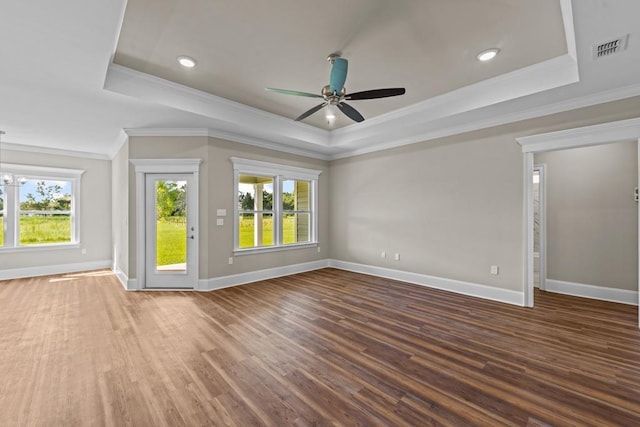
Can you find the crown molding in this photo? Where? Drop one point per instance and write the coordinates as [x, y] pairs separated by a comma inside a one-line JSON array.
[[623, 130], [482, 119], [54, 151], [228, 136], [225, 114]]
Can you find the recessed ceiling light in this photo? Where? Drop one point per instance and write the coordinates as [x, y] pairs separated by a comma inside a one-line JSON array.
[[488, 55], [186, 61]]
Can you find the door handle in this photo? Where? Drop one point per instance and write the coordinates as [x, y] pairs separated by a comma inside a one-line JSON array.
[[191, 237]]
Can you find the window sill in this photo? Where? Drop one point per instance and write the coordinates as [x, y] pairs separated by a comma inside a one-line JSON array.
[[36, 248], [251, 251]]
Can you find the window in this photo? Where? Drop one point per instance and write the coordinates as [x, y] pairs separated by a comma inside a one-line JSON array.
[[40, 211], [275, 206]]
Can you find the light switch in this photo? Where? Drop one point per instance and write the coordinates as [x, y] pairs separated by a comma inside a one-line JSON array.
[[221, 212], [220, 221]]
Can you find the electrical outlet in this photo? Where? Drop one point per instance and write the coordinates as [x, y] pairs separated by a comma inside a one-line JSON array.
[[220, 221], [84, 251], [230, 260], [383, 255], [396, 257], [318, 249], [494, 270]]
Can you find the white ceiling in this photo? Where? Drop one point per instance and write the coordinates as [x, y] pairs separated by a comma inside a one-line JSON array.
[[60, 90]]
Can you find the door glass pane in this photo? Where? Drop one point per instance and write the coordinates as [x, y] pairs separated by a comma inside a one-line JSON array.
[[171, 225]]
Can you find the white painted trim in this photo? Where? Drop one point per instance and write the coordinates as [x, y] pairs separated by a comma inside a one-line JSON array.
[[54, 151], [44, 171], [457, 286], [142, 167], [528, 284], [17, 273], [594, 292], [166, 165], [468, 122], [569, 29], [232, 136], [120, 141], [250, 166], [122, 278], [166, 131], [255, 276], [542, 255], [606, 133]]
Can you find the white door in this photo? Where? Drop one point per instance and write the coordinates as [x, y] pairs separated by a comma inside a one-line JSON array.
[[171, 236]]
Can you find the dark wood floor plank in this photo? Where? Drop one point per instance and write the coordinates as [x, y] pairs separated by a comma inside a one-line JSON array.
[[321, 348]]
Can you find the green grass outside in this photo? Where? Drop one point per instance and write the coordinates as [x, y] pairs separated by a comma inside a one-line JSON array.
[[171, 245], [172, 237], [246, 231], [40, 230]]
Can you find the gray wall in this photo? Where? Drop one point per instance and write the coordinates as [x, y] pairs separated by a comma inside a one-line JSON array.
[[216, 192], [221, 197], [95, 213], [194, 147], [592, 219], [451, 209], [120, 209]]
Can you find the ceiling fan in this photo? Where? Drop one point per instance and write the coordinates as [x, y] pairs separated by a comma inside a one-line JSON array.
[[335, 94]]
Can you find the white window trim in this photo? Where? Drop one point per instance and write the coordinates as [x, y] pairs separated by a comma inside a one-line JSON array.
[[279, 173], [40, 173]]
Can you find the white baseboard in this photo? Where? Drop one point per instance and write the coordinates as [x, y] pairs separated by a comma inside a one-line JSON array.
[[451, 285], [255, 276], [124, 280], [590, 291], [17, 273]]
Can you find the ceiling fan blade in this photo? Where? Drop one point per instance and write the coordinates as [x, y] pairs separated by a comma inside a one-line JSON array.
[[292, 92], [350, 112], [338, 74], [376, 93], [311, 111]]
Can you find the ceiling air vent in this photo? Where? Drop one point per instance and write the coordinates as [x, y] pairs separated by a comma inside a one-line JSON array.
[[610, 47]]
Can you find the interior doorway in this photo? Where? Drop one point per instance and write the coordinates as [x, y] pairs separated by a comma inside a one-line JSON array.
[[539, 228], [606, 133]]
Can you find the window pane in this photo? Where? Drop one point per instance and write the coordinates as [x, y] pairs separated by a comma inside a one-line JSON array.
[[249, 186], [255, 230], [171, 225], [296, 228], [45, 212], [295, 195]]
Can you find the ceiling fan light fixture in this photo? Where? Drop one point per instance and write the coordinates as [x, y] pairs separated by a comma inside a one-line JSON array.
[[488, 54], [186, 61]]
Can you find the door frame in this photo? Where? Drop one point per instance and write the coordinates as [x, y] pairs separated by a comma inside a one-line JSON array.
[[158, 166], [606, 133], [183, 279], [542, 206]]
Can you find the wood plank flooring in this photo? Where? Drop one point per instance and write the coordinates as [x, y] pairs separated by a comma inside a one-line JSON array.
[[321, 348]]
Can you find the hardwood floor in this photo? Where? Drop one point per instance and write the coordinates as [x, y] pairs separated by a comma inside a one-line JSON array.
[[319, 348]]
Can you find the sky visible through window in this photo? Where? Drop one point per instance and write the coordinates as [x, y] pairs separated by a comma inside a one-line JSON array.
[[30, 188]]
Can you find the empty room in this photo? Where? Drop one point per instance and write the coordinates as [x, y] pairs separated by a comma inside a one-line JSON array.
[[398, 213]]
